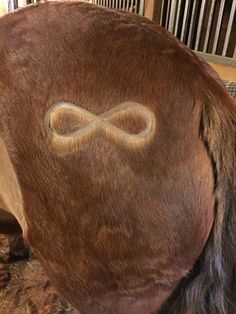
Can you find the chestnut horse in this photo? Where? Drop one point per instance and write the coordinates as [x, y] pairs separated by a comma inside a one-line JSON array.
[[118, 160]]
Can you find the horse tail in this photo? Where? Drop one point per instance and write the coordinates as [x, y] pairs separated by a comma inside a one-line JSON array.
[[208, 287]]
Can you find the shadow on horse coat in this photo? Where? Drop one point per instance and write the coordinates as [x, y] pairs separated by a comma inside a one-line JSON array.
[[118, 228]]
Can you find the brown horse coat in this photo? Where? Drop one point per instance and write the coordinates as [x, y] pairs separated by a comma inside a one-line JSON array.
[[117, 200]]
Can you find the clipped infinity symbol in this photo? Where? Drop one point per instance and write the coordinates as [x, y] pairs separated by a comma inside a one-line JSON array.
[[99, 125]]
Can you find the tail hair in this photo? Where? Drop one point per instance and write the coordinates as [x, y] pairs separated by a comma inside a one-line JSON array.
[[207, 289]]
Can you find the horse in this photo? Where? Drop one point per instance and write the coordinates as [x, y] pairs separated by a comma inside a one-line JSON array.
[[117, 161]]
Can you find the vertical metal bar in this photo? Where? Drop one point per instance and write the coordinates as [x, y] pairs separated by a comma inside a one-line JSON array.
[[132, 6], [141, 7], [192, 23], [200, 22], [177, 17], [123, 7], [229, 28], [10, 5], [172, 16], [209, 25], [135, 6], [184, 26], [162, 13], [113, 4], [218, 26], [167, 14], [127, 5]]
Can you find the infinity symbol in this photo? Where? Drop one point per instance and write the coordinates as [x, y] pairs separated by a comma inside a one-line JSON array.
[[99, 125]]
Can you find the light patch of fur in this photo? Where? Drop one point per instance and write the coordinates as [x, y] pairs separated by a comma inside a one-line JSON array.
[[99, 126]]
